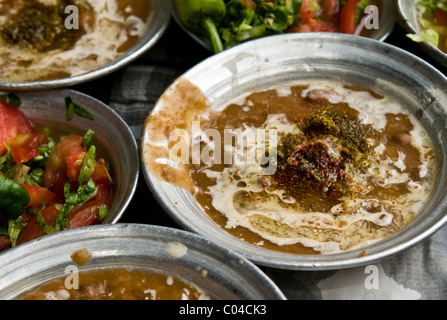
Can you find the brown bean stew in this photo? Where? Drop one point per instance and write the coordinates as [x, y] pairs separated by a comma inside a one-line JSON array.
[[54, 39], [315, 167], [119, 284]]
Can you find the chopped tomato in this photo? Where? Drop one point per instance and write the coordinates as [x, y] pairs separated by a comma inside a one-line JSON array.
[[40, 196], [306, 13], [347, 19], [4, 242], [441, 16], [12, 122], [74, 164], [24, 146], [58, 159], [87, 214], [100, 174], [309, 21], [330, 9], [27, 217], [32, 230], [59, 186]]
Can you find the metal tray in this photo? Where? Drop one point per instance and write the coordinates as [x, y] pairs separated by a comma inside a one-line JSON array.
[[359, 61], [221, 272]]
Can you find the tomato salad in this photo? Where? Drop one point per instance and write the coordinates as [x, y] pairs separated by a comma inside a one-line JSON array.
[[48, 182], [432, 18], [230, 22], [330, 16]]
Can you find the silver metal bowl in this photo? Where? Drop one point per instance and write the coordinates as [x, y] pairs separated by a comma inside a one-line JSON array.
[[407, 17], [387, 22], [112, 137], [158, 20], [358, 61], [219, 271]]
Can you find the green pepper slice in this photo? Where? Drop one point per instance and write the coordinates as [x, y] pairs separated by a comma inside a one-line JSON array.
[[203, 16], [13, 197]]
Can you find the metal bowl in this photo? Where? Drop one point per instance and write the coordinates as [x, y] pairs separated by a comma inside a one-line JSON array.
[[158, 20], [407, 17], [386, 24], [112, 137], [283, 59], [219, 271]]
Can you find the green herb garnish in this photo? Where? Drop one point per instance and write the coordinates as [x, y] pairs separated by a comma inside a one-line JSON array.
[[75, 108]]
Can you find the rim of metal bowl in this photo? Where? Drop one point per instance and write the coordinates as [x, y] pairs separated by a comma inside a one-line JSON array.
[[211, 73], [387, 23], [159, 19], [407, 18], [137, 246], [46, 101]]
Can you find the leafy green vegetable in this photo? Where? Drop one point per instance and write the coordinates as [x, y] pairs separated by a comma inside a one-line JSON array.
[[18, 172], [14, 228], [43, 225], [88, 165], [429, 35], [6, 161], [13, 197], [84, 193], [87, 138], [75, 108], [45, 150], [34, 177], [244, 23], [203, 16], [103, 211]]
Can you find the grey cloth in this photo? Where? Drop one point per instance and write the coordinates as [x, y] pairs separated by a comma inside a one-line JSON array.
[[135, 93], [416, 273]]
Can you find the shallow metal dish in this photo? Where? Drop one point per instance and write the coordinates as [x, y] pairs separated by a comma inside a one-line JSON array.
[[112, 137], [159, 18], [221, 272], [386, 24], [359, 61], [407, 16]]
